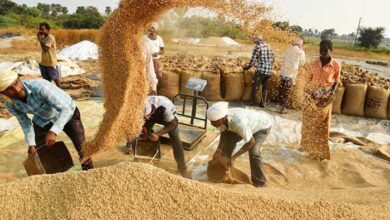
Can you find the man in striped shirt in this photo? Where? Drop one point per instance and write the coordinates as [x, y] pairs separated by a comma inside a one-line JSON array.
[[53, 111], [238, 124], [262, 59]]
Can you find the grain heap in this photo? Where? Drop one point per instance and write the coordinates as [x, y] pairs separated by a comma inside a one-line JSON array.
[[355, 75], [144, 192], [123, 68]]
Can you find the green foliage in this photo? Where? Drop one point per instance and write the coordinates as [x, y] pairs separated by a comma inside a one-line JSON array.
[[328, 34], [7, 6], [371, 37], [8, 21], [13, 14]]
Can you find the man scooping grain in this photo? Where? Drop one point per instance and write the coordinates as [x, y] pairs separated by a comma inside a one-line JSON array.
[[238, 124], [53, 111], [161, 110]]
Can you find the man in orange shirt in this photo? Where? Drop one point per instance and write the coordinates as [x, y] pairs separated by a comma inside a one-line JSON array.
[[323, 78]]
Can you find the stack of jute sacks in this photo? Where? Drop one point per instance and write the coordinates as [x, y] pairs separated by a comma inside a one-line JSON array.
[[363, 94], [226, 79]]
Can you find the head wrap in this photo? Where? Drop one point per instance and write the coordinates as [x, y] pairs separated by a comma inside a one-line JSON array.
[[154, 25], [259, 37], [7, 77], [298, 42], [217, 111], [148, 107]]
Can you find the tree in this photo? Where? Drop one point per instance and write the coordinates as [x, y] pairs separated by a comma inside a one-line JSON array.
[[328, 34], [44, 8], [296, 29], [85, 17], [7, 6], [283, 25], [108, 10], [371, 37]]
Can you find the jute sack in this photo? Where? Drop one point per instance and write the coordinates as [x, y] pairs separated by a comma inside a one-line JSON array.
[[353, 103], [212, 92], [185, 76], [169, 84], [337, 103], [377, 99], [218, 173], [234, 86], [248, 75], [388, 109], [230, 69]]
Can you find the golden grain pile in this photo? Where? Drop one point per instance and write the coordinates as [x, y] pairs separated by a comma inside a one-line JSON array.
[[355, 75], [139, 191], [124, 79]]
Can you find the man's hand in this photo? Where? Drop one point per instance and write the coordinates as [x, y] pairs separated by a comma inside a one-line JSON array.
[[50, 139], [217, 154], [31, 150], [154, 137], [39, 36]]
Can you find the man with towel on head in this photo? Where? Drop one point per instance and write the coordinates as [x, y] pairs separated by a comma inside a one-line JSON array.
[[293, 58], [238, 124], [53, 111], [161, 110], [156, 45]]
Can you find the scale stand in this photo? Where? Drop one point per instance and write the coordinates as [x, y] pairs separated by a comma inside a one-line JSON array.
[[190, 133]]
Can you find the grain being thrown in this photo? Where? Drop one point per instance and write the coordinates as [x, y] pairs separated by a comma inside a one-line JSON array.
[[136, 190], [123, 68]]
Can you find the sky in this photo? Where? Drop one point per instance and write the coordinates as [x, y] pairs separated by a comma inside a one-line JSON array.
[[342, 15]]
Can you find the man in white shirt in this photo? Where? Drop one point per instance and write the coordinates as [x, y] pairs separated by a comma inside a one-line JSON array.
[[161, 110], [238, 124], [293, 59], [156, 45]]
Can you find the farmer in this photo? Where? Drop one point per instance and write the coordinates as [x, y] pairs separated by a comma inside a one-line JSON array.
[[156, 45], [323, 78], [48, 65], [262, 59], [238, 124], [293, 58], [161, 110], [52, 109]]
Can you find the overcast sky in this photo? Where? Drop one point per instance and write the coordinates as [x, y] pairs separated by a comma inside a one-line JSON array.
[[343, 15]]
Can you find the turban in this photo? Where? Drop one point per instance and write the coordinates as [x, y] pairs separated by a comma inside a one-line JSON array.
[[259, 37], [217, 111], [7, 77], [298, 42], [154, 25], [148, 107], [149, 102]]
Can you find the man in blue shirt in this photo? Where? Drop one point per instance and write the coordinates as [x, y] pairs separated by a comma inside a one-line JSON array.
[[53, 111]]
